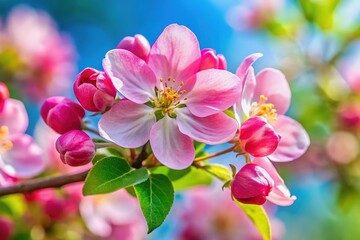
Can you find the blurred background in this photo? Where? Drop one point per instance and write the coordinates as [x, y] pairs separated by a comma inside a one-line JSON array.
[[44, 44]]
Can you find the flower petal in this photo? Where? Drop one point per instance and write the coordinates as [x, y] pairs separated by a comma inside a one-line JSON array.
[[127, 124], [14, 116], [214, 91], [272, 84], [243, 105], [175, 54], [242, 70], [131, 75], [24, 159], [171, 147], [214, 129], [294, 139], [279, 194]]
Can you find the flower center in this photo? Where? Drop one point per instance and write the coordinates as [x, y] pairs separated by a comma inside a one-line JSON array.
[[5, 143], [168, 97], [263, 109]]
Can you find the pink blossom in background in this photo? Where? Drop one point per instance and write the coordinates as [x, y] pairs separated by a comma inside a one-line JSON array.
[[114, 216], [268, 95], [350, 71], [186, 104], [253, 14], [20, 156], [210, 214], [47, 58]]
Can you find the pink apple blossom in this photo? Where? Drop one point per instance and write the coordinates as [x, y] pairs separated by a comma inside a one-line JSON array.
[[94, 90], [20, 156], [114, 216], [138, 45], [46, 58], [267, 95], [251, 185], [168, 100], [76, 148], [253, 14]]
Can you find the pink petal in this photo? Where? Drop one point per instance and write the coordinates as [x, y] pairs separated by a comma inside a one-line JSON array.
[[279, 194], [242, 70], [171, 147], [272, 84], [127, 124], [243, 105], [14, 116], [214, 129], [214, 91], [130, 74], [24, 159], [294, 140], [175, 54]]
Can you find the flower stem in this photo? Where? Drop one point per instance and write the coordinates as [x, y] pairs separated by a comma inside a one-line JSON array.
[[48, 182], [214, 154], [89, 129]]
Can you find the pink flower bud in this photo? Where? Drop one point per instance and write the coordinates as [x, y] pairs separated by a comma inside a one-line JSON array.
[[4, 94], [252, 184], [209, 59], [349, 115], [76, 148], [62, 114], [258, 137], [52, 208], [138, 45], [5, 228], [94, 90]]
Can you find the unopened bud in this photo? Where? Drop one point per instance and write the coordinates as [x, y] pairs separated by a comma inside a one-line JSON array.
[[76, 148], [209, 59], [138, 45], [62, 114], [252, 184], [258, 137], [94, 90]]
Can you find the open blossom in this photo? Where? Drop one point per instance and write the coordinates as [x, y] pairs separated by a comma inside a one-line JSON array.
[[114, 216], [20, 156], [253, 14], [44, 57], [168, 100], [267, 95]]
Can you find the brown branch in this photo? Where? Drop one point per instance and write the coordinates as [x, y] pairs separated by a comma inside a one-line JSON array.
[[48, 182]]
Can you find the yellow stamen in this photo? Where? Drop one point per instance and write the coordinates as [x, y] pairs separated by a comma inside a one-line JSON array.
[[263, 109], [5, 143]]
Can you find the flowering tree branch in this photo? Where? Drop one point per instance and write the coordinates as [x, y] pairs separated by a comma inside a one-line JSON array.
[[48, 182]]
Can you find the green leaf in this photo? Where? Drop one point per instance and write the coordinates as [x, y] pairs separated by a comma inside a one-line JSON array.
[[258, 216], [195, 177], [172, 174], [110, 174], [199, 149], [156, 196], [218, 171]]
